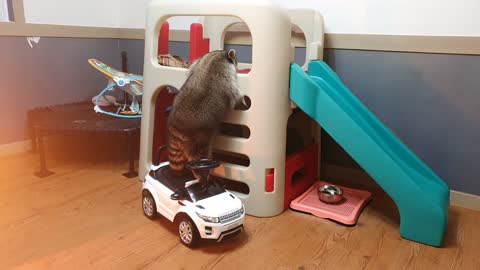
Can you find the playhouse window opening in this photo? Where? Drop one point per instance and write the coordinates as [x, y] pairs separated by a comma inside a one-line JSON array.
[[176, 53], [238, 37], [269, 180], [299, 41], [244, 53], [163, 101], [298, 175], [230, 157], [201, 36], [234, 130]]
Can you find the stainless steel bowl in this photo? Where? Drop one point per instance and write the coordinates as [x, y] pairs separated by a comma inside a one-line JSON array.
[[330, 193]]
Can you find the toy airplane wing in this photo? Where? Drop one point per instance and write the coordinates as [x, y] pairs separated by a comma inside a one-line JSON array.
[[130, 83], [135, 89]]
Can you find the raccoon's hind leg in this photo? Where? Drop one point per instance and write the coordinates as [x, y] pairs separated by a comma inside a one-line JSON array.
[[178, 145], [201, 147], [198, 147]]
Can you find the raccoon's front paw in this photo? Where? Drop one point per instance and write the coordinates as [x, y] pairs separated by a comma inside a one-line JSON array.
[[243, 104]]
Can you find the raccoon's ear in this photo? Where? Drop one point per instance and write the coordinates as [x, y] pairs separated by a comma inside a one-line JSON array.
[[232, 55]]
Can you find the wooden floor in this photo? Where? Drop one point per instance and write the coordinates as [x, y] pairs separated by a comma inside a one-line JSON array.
[[88, 216]]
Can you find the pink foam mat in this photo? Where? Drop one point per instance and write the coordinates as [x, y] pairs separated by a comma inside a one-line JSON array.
[[347, 211]]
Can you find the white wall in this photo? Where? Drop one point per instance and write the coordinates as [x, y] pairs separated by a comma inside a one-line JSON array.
[[133, 16], [3, 11], [132, 13], [396, 17], [102, 13]]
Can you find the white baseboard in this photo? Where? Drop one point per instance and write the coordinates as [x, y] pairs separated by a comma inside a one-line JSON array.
[[457, 198], [465, 200], [15, 148]]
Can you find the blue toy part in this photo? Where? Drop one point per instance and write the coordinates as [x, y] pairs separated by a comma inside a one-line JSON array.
[[121, 81], [131, 84], [421, 196], [134, 107]]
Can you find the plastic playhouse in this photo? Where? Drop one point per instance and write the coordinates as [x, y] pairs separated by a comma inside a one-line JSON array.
[[254, 154]]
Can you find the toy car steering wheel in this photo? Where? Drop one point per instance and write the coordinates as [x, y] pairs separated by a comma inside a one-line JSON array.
[[202, 164], [202, 167]]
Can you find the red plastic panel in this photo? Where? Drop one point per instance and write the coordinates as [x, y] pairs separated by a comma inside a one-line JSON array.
[[160, 132], [307, 159], [244, 71], [163, 39], [269, 180], [198, 45]]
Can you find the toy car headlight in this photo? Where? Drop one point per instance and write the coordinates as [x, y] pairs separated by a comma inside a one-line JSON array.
[[209, 219]]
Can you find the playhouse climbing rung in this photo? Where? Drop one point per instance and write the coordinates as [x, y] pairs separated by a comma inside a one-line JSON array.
[[234, 172], [243, 82], [231, 144], [244, 66], [172, 76], [238, 117]]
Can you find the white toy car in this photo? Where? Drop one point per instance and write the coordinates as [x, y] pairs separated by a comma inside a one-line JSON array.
[[205, 211]]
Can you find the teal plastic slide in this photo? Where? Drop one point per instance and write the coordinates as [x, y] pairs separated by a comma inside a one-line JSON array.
[[421, 196]]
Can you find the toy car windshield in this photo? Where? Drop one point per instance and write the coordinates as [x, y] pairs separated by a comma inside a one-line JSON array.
[[198, 191]]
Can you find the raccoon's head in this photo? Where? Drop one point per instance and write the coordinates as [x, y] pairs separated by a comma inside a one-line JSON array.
[[221, 56], [217, 69], [219, 59]]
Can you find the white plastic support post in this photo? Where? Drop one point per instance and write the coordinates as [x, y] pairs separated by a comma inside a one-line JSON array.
[[311, 23], [215, 28]]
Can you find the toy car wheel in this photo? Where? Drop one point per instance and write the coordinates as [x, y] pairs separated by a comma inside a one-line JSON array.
[[148, 205], [187, 231]]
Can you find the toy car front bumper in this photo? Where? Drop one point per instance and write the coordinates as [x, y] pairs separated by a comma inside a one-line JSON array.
[[230, 232], [218, 231]]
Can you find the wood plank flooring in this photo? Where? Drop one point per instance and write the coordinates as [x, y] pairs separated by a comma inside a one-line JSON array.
[[88, 216]]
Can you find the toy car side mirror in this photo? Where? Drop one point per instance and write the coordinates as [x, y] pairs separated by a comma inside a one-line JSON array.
[[177, 195]]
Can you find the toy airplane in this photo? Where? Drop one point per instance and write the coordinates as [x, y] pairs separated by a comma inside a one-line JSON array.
[[130, 83]]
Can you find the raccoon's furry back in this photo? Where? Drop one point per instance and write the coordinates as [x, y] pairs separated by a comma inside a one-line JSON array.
[[209, 92]]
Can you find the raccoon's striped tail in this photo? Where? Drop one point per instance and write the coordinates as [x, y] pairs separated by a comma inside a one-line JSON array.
[[177, 145]]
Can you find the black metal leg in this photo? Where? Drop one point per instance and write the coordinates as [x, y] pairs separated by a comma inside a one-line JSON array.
[[33, 136], [43, 165], [131, 157]]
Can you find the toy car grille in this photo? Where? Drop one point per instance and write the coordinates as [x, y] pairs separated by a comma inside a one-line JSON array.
[[231, 216]]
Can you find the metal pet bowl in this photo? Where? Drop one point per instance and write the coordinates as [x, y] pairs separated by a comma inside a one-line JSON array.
[[330, 194]]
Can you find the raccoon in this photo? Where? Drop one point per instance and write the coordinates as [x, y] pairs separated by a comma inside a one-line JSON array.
[[210, 91]]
